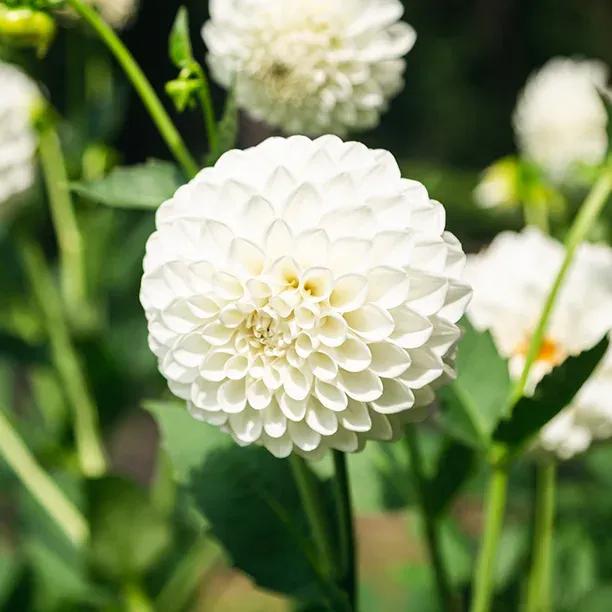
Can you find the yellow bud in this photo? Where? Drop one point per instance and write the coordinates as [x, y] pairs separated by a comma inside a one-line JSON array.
[[24, 27]]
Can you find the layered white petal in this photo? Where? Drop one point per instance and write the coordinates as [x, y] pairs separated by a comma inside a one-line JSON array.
[[290, 330]]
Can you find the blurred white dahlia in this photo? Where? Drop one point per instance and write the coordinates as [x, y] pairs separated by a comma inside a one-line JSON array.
[[303, 296], [17, 139], [310, 67], [560, 119], [511, 280], [117, 13]]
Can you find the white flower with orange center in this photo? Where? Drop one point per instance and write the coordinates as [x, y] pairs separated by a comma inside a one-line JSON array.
[[310, 66], [511, 281], [560, 118], [304, 296], [17, 138]]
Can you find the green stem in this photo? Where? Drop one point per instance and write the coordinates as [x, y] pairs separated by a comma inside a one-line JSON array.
[[187, 575], [315, 514], [40, 485], [538, 585], [344, 511], [142, 85], [448, 600], [208, 110], [70, 243], [482, 592], [589, 211], [135, 598], [88, 442]]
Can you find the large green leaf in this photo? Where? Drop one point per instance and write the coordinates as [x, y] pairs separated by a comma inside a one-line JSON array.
[[188, 442], [144, 186], [555, 392], [128, 533], [473, 404], [455, 466], [254, 509]]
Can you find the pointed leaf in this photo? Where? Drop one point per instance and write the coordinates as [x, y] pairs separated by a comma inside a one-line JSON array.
[[179, 46]]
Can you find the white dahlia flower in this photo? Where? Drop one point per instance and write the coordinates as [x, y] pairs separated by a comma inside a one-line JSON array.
[[303, 296], [511, 281], [17, 139], [310, 67], [117, 13], [560, 119]]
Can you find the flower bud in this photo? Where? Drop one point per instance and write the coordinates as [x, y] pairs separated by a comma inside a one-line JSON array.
[[23, 27]]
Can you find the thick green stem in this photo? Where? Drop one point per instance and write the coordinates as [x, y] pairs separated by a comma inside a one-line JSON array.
[[142, 85], [40, 485], [589, 211], [346, 531], [448, 599], [70, 243], [538, 586], [482, 592], [86, 427], [315, 514]]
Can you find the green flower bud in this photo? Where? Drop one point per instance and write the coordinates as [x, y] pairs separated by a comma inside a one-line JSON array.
[[23, 27]]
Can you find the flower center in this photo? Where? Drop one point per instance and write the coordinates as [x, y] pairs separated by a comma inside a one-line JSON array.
[[550, 352]]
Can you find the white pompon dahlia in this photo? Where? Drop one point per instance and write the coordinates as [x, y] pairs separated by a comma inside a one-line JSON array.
[[511, 281], [117, 13], [560, 120], [303, 296], [17, 140], [310, 67]]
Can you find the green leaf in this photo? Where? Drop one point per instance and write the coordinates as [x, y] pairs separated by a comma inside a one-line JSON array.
[[179, 46], [144, 186], [227, 130], [512, 553], [128, 533], [255, 511], [188, 442], [555, 392], [455, 466], [474, 402]]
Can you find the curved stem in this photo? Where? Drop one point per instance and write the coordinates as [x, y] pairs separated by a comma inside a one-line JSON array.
[[40, 485], [70, 243], [344, 511], [589, 211], [89, 445], [314, 512], [482, 592], [448, 600], [538, 586], [142, 85]]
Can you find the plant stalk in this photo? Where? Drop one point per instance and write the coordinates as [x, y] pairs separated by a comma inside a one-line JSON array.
[[142, 85], [346, 530], [88, 441], [40, 485], [482, 594], [69, 240], [538, 585], [448, 599], [208, 110]]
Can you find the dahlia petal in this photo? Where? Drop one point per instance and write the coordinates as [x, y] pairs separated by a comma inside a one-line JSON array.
[[356, 417], [294, 410], [320, 419], [362, 386], [349, 292], [352, 355], [332, 330], [275, 422], [231, 396], [330, 396], [303, 436], [246, 425], [397, 397], [323, 366], [259, 395], [388, 359], [411, 330], [280, 447], [387, 287], [370, 322], [426, 367]]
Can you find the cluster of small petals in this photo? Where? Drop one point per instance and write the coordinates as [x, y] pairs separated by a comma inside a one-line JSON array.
[[316, 67], [511, 280], [117, 13], [560, 119], [303, 296], [17, 140]]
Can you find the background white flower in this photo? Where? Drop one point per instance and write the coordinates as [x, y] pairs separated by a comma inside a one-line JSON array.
[[322, 66], [17, 140], [117, 13], [560, 119], [304, 296], [511, 280]]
